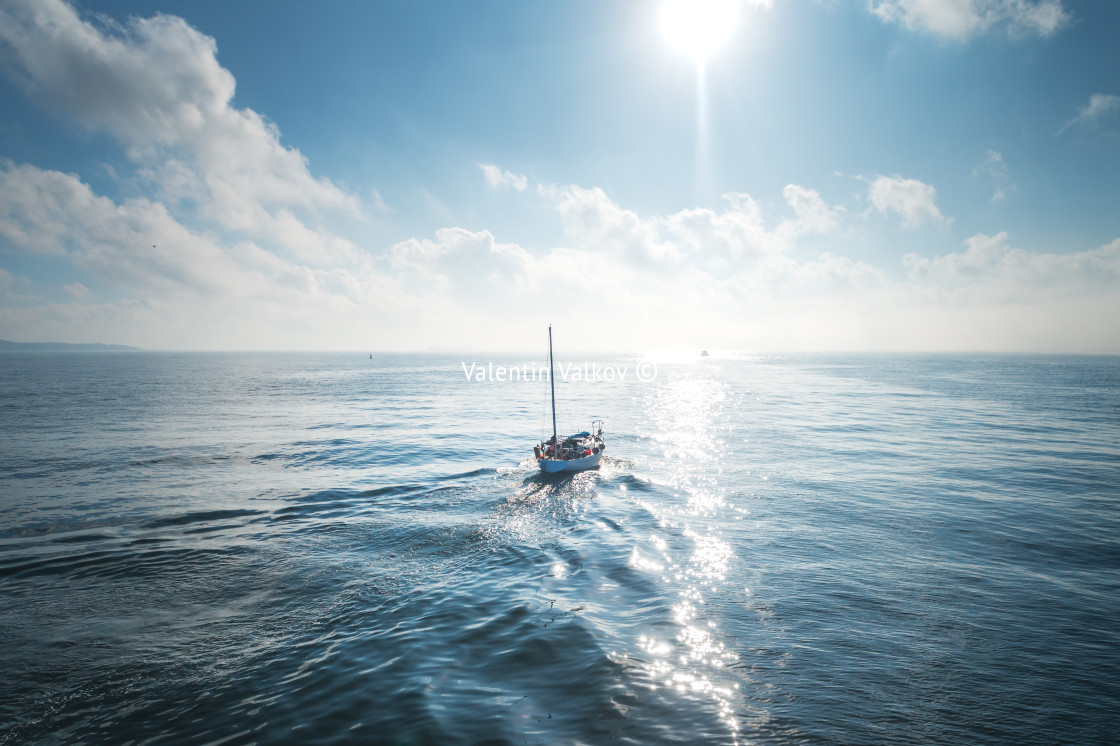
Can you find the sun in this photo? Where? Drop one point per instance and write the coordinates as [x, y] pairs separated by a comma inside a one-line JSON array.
[[698, 28]]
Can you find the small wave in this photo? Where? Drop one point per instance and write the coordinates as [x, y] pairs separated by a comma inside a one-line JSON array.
[[135, 559], [203, 516], [323, 503]]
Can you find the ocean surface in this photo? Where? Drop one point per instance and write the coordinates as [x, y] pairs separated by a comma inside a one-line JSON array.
[[327, 548]]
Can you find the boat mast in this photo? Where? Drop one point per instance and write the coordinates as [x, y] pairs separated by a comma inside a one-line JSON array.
[[552, 383]]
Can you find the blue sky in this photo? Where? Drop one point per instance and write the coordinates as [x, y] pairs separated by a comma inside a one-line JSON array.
[[892, 174]]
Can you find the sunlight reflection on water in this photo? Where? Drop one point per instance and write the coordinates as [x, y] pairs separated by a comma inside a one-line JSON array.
[[684, 421]]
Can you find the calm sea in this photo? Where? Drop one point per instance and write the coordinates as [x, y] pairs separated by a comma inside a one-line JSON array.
[[325, 548]]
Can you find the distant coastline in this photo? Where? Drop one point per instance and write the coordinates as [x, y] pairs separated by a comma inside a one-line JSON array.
[[6, 346]]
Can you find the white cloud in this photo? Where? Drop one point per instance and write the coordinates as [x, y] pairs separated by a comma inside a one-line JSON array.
[[156, 86], [995, 269], [178, 287], [8, 281], [1100, 105], [137, 243], [914, 201], [733, 278], [476, 269], [379, 204], [595, 222], [994, 169], [814, 215], [33, 208], [992, 165], [459, 262], [496, 178], [77, 291], [964, 19], [734, 274]]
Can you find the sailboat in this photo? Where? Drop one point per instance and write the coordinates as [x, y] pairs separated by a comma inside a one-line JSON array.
[[577, 452]]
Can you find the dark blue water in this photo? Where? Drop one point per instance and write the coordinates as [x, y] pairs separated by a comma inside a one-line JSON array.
[[264, 548]]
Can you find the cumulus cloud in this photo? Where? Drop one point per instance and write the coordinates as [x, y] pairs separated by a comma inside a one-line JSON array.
[[912, 200], [1099, 106], [997, 297], [658, 276], [594, 221], [496, 178], [173, 285], [990, 263], [737, 273], [459, 262], [814, 215], [961, 20], [480, 271], [137, 242], [704, 266], [156, 86]]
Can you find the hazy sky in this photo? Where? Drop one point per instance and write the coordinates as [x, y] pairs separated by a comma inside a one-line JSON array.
[[837, 174]]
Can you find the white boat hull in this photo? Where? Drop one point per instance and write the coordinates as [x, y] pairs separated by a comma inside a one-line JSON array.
[[554, 466]]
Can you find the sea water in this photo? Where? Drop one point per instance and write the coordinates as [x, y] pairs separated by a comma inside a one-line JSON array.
[[325, 548]]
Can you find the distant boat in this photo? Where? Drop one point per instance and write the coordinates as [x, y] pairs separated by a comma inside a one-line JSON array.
[[577, 452], [703, 353], [371, 356]]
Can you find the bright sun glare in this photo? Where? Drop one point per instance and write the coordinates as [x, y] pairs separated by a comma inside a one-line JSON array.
[[698, 28]]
